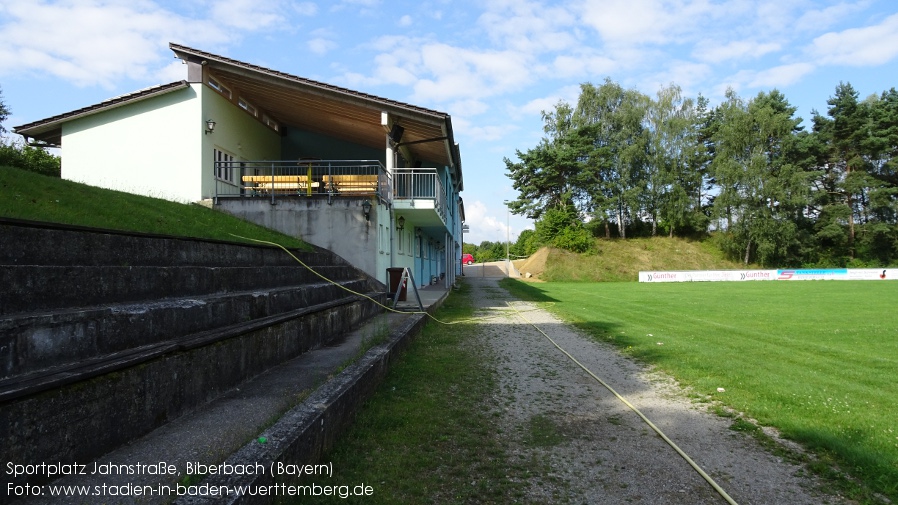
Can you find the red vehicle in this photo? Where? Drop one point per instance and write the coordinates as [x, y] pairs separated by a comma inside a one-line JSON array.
[[467, 259]]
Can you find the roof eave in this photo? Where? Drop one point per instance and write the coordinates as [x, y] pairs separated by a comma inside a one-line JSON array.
[[49, 130]]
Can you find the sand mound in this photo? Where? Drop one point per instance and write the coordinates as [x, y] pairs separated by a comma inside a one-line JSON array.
[[535, 265]]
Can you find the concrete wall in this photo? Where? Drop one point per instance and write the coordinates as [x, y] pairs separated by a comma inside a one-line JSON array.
[[77, 381], [339, 226]]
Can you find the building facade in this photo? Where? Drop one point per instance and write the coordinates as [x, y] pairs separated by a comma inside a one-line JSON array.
[[374, 180]]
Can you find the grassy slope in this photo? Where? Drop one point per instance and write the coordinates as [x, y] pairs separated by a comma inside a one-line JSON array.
[[621, 260], [34, 197]]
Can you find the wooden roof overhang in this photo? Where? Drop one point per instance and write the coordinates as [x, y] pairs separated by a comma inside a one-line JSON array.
[[334, 111], [300, 103]]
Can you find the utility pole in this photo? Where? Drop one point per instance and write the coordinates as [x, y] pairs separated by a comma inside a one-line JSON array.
[[507, 242]]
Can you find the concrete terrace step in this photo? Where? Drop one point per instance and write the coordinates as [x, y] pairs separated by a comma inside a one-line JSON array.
[[37, 243], [106, 336], [30, 288], [82, 412], [38, 340], [300, 406]]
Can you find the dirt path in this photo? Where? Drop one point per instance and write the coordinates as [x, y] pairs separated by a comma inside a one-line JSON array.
[[591, 446]]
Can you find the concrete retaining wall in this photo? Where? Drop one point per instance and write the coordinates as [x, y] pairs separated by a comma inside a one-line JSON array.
[[305, 433], [105, 336]]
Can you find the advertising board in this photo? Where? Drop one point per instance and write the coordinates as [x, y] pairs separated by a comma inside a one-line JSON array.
[[799, 274]]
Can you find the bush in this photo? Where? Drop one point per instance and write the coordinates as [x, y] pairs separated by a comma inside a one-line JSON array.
[[574, 239], [32, 159]]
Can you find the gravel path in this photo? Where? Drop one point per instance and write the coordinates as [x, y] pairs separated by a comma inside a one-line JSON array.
[[595, 449]]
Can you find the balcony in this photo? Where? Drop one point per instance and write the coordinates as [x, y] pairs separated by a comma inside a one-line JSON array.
[[305, 178], [417, 191]]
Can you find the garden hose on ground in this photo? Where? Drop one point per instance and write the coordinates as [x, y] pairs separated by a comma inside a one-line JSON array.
[[634, 409], [391, 309], [594, 376]]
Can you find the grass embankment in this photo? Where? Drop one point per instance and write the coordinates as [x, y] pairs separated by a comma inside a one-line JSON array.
[[621, 260], [427, 435], [37, 197], [816, 360]]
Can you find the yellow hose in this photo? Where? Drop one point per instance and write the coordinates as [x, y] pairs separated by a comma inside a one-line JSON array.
[[608, 387], [428, 314], [670, 442]]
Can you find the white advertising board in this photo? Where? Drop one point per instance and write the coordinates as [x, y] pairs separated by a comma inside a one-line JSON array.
[[798, 274]]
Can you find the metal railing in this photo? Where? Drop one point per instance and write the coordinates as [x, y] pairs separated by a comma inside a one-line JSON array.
[[420, 184], [305, 177]]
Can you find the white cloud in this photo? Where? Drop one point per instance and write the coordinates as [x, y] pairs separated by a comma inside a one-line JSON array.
[[405, 20], [484, 226], [90, 43], [821, 19], [321, 45], [639, 22], [781, 76], [305, 8], [716, 52], [174, 71], [100, 42], [583, 65], [528, 26], [469, 107], [686, 74], [473, 131], [248, 14], [867, 46], [453, 72], [535, 107]]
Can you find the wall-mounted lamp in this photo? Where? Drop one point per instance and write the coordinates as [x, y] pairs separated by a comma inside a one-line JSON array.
[[366, 208], [400, 223], [210, 126]]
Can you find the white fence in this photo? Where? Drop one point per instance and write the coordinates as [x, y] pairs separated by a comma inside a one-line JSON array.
[[802, 274]]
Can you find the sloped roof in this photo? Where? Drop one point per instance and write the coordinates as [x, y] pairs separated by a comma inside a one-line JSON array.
[[332, 110], [297, 102], [49, 130]]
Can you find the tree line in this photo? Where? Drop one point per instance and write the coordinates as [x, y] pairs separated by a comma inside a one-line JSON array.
[[619, 163]]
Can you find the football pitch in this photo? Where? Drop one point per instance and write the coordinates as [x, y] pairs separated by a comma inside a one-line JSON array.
[[817, 360]]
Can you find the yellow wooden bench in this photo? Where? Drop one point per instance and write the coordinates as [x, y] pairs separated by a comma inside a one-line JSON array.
[[278, 183], [352, 183]]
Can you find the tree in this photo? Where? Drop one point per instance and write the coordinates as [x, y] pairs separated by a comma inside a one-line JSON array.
[[760, 185], [546, 176], [4, 113], [674, 171], [611, 118]]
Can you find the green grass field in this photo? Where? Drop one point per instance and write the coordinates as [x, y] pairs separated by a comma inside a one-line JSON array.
[[816, 360]]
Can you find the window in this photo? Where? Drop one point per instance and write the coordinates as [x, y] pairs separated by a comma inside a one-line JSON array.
[[248, 107], [271, 123], [401, 241], [224, 166], [217, 86]]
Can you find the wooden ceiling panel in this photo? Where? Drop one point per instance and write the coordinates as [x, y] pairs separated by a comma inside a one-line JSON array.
[[337, 116]]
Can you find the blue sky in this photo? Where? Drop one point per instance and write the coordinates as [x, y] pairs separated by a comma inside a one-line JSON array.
[[494, 65]]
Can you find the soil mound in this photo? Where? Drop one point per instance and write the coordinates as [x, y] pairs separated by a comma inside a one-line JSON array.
[[535, 265]]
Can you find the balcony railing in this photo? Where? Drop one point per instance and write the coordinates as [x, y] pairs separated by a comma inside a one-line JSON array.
[[278, 179], [420, 184], [330, 178]]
